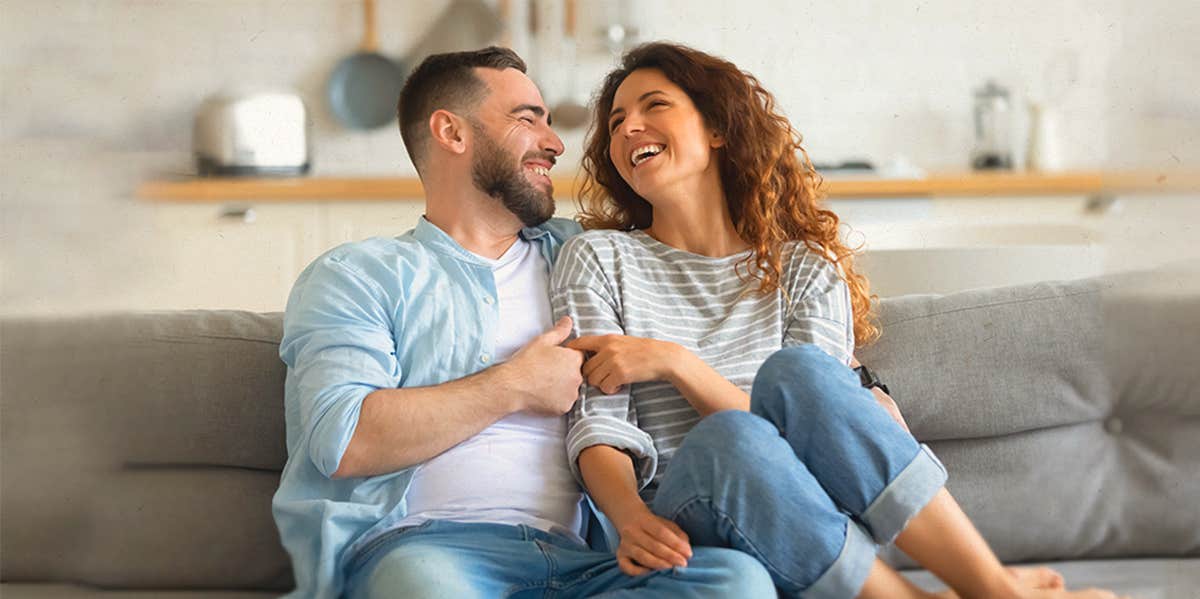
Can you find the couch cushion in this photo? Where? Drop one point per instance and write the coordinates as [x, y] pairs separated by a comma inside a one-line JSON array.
[[1141, 578], [1067, 413], [141, 450]]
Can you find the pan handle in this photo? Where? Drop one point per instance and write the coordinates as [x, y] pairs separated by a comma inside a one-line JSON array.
[[505, 9], [569, 12], [370, 39]]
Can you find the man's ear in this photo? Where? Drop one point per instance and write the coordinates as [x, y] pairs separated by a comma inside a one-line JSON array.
[[448, 131]]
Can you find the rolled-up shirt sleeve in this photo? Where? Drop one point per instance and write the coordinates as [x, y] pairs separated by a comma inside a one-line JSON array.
[[339, 347], [580, 289], [820, 312]]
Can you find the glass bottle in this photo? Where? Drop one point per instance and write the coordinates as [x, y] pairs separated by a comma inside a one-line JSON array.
[[993, 128]]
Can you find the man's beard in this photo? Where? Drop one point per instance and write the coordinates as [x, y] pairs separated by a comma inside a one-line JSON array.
[[496, 173]]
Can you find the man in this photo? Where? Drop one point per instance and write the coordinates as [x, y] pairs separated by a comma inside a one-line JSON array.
[[426, 383]]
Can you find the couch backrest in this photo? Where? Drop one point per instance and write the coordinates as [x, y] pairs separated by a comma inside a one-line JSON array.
[[142, 450], [1067, 414]]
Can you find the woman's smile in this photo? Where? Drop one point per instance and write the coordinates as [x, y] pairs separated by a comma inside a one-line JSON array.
[[644, 153]]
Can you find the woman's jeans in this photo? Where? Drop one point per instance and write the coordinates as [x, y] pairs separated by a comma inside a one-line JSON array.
[[809, 482]]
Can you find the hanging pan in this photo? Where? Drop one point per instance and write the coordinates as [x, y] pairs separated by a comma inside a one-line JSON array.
[[364, 88]]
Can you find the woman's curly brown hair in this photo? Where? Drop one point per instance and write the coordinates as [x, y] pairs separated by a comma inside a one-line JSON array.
[[773, 192]]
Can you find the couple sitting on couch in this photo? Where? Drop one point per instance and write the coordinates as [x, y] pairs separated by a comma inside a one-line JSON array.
[[698, 338]]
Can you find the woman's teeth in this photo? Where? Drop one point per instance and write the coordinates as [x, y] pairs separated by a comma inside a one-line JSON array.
[[644, 153]]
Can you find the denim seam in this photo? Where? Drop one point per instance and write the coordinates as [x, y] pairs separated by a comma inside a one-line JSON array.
[[551, 565], [758, 554], [521, 587]]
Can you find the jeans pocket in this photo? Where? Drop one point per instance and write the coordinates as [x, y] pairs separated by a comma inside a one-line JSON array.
[[598, 569], [363, 554]]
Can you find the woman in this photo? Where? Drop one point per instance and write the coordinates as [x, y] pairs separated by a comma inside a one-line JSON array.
[[720, 312]]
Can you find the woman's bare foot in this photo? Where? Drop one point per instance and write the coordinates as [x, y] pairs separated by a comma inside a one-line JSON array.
[[1037, 577], [1040, 582], [1051, 594], [1084, 594], [1031, 577]]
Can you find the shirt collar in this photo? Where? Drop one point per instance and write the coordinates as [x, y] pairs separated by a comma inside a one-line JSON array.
[[532, 233], [438, 240]]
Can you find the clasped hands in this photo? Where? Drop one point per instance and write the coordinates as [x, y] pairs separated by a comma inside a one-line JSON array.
[[617, 360]]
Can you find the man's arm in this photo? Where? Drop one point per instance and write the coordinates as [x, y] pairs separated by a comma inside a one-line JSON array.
[[398, 428], [348, 415]]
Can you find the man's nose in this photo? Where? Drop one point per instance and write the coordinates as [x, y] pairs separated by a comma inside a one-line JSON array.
[[552, 143]]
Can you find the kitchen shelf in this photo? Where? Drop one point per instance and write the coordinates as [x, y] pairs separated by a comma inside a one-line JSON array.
[[1090, 183]]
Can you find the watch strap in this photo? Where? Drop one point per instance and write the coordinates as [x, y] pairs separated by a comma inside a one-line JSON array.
[[869, 380]]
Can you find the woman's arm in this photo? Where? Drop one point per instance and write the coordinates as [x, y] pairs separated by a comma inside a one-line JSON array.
[[648, 542], [705, 388], [884, 399], [619, 360], [580, 288]]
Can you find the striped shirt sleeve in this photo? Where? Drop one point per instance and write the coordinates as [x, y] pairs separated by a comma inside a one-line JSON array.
[[820, 311], [579, 288]]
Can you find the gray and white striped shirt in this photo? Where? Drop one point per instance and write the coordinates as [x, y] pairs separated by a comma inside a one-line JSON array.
[[612, 282]]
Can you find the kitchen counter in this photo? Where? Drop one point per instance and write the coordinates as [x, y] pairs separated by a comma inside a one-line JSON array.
[[1089, 183]]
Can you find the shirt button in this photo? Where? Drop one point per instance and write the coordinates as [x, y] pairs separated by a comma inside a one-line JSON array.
[[487, 299], [485, 358]]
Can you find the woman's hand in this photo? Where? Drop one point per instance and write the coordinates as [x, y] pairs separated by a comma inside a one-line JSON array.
[[618, 360], [649, 542]]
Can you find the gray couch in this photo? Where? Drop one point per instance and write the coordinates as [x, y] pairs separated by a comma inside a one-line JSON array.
[[140, 451]]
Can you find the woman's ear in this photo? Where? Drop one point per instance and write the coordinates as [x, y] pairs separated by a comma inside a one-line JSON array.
[[448, 131], [715, 140]]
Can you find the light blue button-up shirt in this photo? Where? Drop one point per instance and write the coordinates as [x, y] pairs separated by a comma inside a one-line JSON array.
[[409, 311]]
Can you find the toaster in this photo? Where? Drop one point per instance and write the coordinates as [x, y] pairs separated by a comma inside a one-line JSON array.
[[252, 134]]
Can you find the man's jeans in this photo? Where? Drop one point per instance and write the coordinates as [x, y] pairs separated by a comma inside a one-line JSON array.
[[486, 561], [808, 482]]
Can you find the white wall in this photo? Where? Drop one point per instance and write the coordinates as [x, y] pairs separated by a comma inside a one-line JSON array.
[[98, 95], [885, 78]]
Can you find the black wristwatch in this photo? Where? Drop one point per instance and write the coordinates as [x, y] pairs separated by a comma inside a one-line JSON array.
[[868, 379]]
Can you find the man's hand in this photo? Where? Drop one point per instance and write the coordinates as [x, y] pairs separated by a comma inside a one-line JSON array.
[[649, 542], [621, 360], [543, 376]]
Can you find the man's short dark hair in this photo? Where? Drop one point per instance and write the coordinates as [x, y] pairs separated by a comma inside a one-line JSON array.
[[445, 81]]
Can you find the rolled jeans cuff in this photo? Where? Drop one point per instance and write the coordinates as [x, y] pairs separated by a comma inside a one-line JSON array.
[[848, 573], [905, 496]]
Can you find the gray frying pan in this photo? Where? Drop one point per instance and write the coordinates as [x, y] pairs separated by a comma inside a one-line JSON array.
[[364, 88]]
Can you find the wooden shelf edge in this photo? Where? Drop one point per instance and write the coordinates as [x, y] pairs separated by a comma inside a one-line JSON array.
[[299, 189], [315, 189]]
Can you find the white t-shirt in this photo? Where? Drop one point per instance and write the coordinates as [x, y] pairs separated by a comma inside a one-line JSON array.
[[515, 471]]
